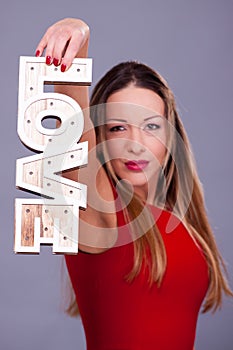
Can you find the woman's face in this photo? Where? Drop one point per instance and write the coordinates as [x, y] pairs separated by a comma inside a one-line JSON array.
[[136, 137]]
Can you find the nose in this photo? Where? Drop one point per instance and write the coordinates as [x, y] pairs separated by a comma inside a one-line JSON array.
[[135, 142]]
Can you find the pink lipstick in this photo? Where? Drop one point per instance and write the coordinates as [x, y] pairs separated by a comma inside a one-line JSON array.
[[136, 165]]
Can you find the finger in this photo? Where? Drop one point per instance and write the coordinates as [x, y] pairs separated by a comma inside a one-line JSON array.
[[60, 46], [51, 42], [47, 44], [41, 46], [76, 42]]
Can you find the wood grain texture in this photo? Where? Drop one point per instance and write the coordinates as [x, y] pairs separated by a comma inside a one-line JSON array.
[[54, 219]]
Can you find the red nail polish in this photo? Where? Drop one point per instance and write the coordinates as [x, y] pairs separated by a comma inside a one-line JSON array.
[[37, 54], [48, 60], [63, 67], [56, 62]]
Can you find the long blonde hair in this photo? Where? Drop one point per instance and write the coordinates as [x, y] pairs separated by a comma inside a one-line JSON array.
[[178, 188]]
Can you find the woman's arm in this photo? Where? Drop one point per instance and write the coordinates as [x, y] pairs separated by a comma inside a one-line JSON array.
[[62, 42]]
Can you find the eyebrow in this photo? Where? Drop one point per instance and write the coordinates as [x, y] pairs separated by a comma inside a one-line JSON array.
[[125, 121]]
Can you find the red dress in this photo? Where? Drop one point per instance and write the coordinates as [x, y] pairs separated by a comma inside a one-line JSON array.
[[118, 315]]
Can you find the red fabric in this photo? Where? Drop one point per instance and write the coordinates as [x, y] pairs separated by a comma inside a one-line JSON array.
[[118, 315]]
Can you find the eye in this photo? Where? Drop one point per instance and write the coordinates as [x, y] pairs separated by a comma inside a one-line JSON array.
[[152, 126], [116, 128]]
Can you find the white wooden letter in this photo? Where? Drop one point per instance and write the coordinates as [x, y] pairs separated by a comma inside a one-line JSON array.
[[54, 219]]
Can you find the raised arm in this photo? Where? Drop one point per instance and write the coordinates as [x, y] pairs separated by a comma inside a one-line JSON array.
[[62, 42]]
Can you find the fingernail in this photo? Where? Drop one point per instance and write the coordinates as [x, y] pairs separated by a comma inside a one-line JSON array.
[[37, 54], [63, 67], [48, 60], [56, 62]]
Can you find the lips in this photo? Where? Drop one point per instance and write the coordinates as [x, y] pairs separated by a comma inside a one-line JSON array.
[[136, 165]]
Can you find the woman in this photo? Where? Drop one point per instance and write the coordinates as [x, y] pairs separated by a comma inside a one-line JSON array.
[[147, 256]]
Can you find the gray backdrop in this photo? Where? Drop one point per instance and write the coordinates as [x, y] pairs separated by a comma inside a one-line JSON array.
[[190, 43]]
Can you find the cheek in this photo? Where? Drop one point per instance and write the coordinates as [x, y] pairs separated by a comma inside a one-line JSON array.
[[159, 151], [114, 163], [117, 167], [115, 148]]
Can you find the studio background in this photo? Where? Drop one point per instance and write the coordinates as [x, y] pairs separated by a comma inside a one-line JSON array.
[[190, 44]]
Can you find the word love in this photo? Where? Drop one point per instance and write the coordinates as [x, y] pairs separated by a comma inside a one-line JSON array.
[[52, 219]]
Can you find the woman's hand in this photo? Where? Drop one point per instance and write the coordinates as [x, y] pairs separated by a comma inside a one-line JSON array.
[[64, 41]]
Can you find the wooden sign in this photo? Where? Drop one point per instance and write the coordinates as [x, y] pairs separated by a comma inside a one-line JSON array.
[[52, 219]]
